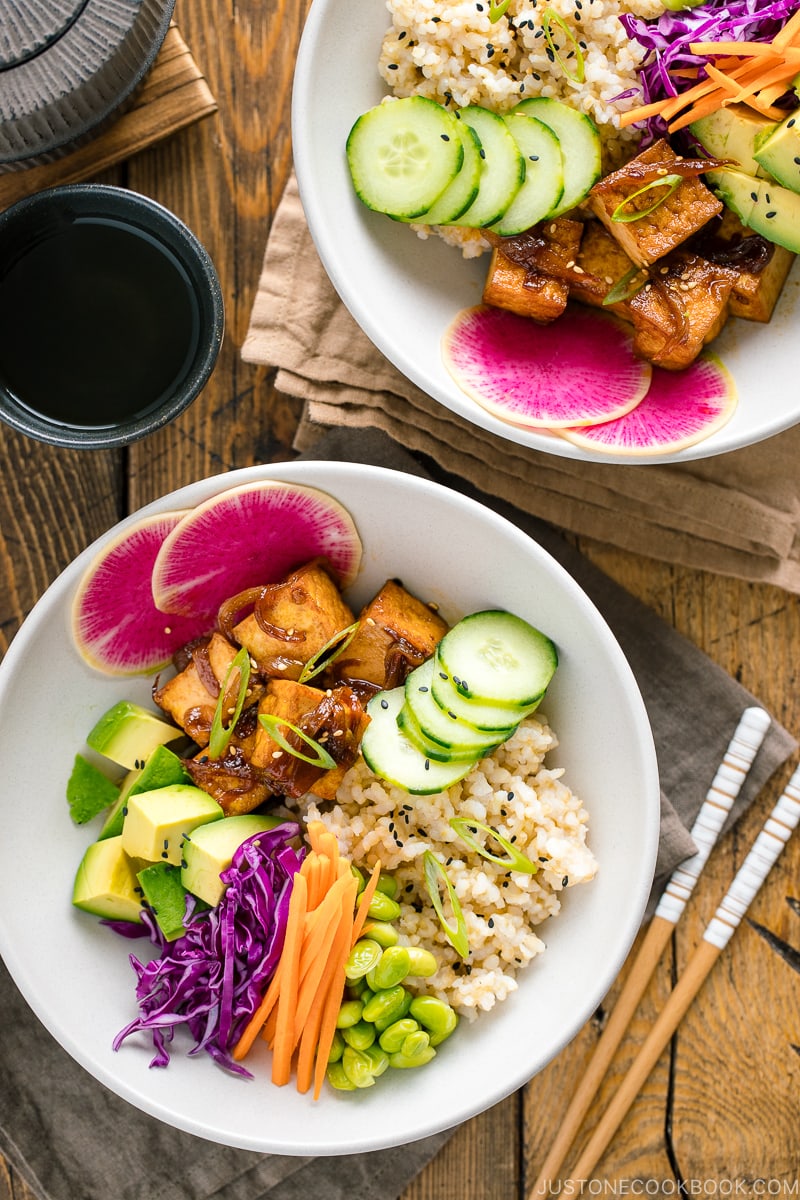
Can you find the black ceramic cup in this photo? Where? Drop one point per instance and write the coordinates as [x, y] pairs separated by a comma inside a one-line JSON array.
[[111, 316]]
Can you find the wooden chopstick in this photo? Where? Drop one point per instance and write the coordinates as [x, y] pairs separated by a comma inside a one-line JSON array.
[[754, 870], [730, 775]]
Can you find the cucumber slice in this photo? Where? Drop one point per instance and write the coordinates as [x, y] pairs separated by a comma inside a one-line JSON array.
[[458, 195], [580, 146], [403, 154], [389, 753], [490, 720], [543, 188], [411, 730], [442, 727], [497, 658], [503, 170]]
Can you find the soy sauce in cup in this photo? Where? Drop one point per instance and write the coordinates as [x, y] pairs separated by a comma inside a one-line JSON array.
[[110, 316]]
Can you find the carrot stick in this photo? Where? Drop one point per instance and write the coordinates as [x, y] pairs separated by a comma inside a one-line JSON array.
[[365, 901], [789, 34], [312, 869], [309, 1038], [333, 998], [270, 1025], [258, 1018], [737, 49], [290, 975]]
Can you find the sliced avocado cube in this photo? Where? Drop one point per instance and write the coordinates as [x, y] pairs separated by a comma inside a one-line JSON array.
[[128, 734], [765, 207], [157, 821], [161, 769], [779, 154], [165, 896], [210, 849], [106, 883], [89, 791], [734, 132]]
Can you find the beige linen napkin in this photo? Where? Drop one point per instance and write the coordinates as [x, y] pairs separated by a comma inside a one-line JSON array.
[[737, 514]]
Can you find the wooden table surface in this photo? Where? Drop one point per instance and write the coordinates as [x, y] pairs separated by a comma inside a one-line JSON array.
[[719, 1114]]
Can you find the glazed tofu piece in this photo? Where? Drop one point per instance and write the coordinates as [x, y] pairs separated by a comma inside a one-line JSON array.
[[685, 310], [305, 611], [190, 697], [396, 632], [603, 264], [761, 267], [334, 718], [526, 272], [680, 215]]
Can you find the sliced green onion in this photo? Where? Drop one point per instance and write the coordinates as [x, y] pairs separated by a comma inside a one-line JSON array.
[[271, 723], [628, 285], [515, 860], [575, 71], [220, 732], [670, 182], [455, 934], [496, 11], [328, 653]]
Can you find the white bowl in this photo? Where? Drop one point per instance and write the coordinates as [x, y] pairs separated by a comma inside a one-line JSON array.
[[74, 972], [405, 292]]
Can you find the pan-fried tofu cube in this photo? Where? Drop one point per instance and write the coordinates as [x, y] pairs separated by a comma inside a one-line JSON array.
[[679, 215], [305, 610], [527, 272], [761, 267], [603, 264], [396, 632], [681, 311], [335, 719], [190, 697]]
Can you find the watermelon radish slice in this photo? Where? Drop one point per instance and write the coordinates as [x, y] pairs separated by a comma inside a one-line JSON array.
[[680, 409], [247, 536], [116, 626], [579, 370]]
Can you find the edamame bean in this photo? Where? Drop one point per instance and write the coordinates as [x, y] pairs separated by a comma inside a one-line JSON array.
[[421, 962], [390, 969], [337, 1046], [395, 1034], [387, 1006], [360, 1036], [434, 1015], [388, 885], [362, 958], [415, 1044], [349, 1014], [338, 1079], [357, 1066], [419, 1060], [381, 932], [379, 1059], [360, 880], [383, 908]]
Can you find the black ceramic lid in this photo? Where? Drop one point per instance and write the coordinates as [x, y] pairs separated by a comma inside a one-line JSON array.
[[66, 66]]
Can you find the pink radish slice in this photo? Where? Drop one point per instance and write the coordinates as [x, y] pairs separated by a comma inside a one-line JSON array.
[[579, 370], [680, 409], [247, 536], [116, 626]]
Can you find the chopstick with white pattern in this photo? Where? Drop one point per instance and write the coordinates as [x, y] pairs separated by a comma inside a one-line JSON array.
[[754, 870], [727, 782]]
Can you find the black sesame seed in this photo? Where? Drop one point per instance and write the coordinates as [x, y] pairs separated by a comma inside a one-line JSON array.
[[452, 714], [166, 843], [770, 215], [483, 155], [401, 35], [139, 891], [510, 795], [422, 689], [443, 675], [790, 123], [797, 160], [391, 67], [445, 137], [384, 703], [533, 157], [490, 922], [542, 858], [125, 810], [565, 881], [427, 764], [754, 196], [164, 854]]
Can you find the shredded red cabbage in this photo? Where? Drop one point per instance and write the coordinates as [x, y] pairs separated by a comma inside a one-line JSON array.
[[667, 40], [213, 977]]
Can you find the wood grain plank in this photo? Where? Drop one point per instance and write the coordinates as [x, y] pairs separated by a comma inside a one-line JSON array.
[[173, 95]]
